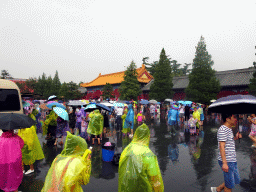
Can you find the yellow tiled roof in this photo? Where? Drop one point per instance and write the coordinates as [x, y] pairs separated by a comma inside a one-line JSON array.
[[116, 78]]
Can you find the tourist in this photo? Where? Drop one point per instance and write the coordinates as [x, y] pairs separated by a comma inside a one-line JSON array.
[[95, 126], [196, 115], [173, 117], [252, 135], [119, 113], [71, 168], [62, 128], [79, 115], [138, 165], [10, 161], [32, 149], [72, 120], [227, 154], [181, 113], [201, 111], [129, 120], [105, 123], [139, 117], [50, 125], [192, 125], [152, 111]]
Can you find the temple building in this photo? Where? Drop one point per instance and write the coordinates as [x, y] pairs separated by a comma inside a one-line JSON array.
[[95, 87]]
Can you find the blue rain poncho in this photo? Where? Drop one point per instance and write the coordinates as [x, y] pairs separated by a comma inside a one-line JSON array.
[[129, 120], [138, 166]]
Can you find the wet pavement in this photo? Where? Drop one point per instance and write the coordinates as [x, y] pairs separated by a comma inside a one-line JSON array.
[[187, 163]]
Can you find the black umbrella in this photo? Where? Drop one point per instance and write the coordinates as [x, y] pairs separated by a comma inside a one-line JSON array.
[[102, 106], [234, 104], [10, 121]]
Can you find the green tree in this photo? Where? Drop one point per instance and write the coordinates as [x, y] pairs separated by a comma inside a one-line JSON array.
[[42, 86], [73, 92], [149, 66], [64, 91], [185, 69], [176, 71], [252, 85], [203, 84], [161, 88], [130, 86], [48, 92], [56, 84], [5, 75], [108, 91]]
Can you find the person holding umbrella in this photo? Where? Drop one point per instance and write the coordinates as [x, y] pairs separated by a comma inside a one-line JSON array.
[[227, 154]]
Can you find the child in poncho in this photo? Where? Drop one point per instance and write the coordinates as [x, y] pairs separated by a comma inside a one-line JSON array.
[[10, 161], [139, 117], [192, 125]]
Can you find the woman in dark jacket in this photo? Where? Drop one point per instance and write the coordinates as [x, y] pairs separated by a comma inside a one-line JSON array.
[[72, 121]]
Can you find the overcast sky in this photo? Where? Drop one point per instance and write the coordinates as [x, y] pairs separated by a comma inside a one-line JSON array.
[[82, 38]]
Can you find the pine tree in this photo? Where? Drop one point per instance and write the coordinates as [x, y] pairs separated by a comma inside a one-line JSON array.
[[5, 75], [56, 84], [48, 85], [161, 88], [203, 84], [252, 85], [64, 90], [130, 87], [108, 91]]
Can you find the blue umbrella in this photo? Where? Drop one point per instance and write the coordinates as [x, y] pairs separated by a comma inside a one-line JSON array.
[[118, 104], [181, 102], [103, 107], [144, 102], [234, 104], [61, 113], [187, 102], [25, 104], [90, 107], [57, 105]]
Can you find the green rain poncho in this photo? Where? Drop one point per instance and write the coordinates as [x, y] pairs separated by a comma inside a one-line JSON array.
[[32, 149], [74, 157], [138, 165], [95, 126]]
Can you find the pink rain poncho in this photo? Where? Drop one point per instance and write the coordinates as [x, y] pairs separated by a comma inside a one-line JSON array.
[[11, 173]]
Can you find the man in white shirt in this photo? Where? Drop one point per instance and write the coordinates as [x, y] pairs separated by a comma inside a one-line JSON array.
[[119, 112], [227, 154]]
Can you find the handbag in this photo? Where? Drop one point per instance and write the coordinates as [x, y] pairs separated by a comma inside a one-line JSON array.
[[55, 184]]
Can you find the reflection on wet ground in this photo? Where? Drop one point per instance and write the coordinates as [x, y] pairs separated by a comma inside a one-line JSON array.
[[188, 163]]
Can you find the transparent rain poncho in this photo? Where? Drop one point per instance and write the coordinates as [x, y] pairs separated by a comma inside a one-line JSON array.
[[71, 168], [32, 149], [51, 119], [138, 166], [95, 126]]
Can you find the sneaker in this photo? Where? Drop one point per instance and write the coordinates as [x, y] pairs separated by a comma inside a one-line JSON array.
[[213, 189], [29, 172], [23, 171]]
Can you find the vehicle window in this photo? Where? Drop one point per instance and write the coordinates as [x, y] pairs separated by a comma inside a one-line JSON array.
[[9, 100]]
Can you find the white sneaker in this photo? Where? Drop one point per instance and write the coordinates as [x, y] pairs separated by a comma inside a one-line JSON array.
[[214, 189], [23, 171], [29, 171]]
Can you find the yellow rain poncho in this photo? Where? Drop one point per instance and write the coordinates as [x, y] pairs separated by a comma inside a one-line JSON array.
[[32, 149], [95, 126], [124, 130], [71, 168], [196, 115], [138, 165], [51, 119]]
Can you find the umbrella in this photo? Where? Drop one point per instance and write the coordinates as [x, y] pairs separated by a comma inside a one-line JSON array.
[[187, 102], [181, 102], [30, 102], [152, 101], [36, 101], [107, 104], [103, 107], [43, 106], [25, 104], [10, 121], [144, 102], [168, 100], [61, 113], [57, 105], [90, 107], [234, 104], [76, 103], [124, 102], [158, 103], [118, 104], [52, 97], [213, 100]]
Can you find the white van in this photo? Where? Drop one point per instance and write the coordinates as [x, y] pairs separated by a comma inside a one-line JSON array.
[[10, 97]]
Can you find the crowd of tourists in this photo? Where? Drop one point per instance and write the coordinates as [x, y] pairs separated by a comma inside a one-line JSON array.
[[138, 165]]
